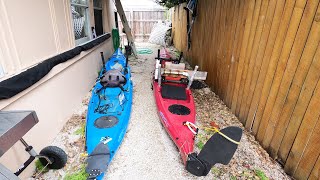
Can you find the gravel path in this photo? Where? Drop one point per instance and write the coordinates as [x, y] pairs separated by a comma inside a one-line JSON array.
[[147, 152]]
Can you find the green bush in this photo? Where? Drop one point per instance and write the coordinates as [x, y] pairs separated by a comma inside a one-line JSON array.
[[170, 3]]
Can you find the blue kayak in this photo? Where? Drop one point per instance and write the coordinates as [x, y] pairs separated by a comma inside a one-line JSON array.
[[108, 114]]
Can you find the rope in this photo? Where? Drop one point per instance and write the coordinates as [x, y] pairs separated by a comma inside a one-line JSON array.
[[223, 135], [144, 51], [192, 126]]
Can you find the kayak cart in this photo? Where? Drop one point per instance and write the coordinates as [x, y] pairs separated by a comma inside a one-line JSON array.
[[14, 125]]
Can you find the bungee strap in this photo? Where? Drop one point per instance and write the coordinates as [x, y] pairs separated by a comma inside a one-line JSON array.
[[192, 128], [223, 135]]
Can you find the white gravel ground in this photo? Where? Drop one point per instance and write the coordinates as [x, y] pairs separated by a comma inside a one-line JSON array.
[[147, 152]]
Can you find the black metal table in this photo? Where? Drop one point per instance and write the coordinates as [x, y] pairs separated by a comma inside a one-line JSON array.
[[13, 126]]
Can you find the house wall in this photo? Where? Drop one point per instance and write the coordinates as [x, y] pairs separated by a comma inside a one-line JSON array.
[[262, 58], [32, 31]]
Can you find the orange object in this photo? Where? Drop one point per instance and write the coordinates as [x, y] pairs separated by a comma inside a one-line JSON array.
[[213, 124]]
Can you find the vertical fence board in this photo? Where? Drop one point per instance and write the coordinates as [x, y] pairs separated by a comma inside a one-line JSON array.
[[242, 54], [230, 47], [315, 174], [282, 85], [301, 76], [236, 50], [299, 112], [271, 23], [252, 57], [309, 121], [273, 62], [283, 59], [253, 31], [311, 151], [262, 59]]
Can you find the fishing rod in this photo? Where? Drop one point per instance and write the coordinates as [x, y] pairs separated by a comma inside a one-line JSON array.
[[103, 63]]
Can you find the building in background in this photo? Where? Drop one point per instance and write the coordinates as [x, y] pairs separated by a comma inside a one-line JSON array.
[[35, 30]]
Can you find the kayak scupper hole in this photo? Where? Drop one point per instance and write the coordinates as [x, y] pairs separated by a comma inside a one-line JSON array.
[[179, 109]]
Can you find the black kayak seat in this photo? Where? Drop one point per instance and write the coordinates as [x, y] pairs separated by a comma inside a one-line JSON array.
[[173, 92]]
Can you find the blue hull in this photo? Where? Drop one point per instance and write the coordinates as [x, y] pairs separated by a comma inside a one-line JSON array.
[[112, 102]]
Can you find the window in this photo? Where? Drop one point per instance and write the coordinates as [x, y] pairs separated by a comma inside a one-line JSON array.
[[98, 21], [80, 14]]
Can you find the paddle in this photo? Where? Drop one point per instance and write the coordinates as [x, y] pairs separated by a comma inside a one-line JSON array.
[[103, 63], [128, 52], [218, 149], [97, 162]]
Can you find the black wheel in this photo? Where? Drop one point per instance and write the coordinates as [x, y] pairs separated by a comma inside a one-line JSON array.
[[57, 156], [196, 84]]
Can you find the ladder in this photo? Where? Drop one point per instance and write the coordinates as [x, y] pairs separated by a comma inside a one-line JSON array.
[[126, 26]]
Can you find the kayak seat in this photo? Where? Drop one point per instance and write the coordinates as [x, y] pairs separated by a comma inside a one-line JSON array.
[[113, 78], [173, 92]]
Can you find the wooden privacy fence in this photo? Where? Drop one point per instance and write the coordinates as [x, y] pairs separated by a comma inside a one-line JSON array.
[[142, 21], [263, 59]]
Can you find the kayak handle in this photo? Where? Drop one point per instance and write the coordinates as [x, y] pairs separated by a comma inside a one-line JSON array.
[[192, 127]]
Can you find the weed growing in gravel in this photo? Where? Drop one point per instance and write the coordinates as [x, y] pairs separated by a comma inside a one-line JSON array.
[[80, 175], [216, 171], [261, 174], [80, 131], [200, 145], [40, 167], [232, 177]]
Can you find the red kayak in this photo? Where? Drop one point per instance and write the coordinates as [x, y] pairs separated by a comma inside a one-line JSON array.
[[176, 106], [176, 110]]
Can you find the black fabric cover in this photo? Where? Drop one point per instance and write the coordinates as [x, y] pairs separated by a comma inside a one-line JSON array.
[[173, 92], [14, 85]]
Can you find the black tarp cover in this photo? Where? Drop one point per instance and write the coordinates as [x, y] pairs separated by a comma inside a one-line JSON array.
[[16, 84]]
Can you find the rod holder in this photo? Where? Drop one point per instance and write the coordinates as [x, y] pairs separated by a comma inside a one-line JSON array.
[[192, 77], [159, 75]]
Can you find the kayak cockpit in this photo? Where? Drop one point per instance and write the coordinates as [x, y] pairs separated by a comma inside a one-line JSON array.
[[173, 92]]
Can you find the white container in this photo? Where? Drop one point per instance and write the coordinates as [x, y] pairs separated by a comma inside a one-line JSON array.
[[180, 66]]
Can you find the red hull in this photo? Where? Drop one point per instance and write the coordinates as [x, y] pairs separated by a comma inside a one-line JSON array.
[[179, 133]]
